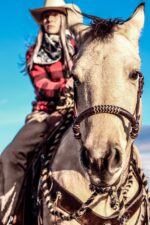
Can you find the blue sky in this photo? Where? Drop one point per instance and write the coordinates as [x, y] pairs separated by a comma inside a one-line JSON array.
[[18, 30]]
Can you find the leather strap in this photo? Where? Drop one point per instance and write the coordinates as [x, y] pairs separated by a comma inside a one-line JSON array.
[[69, 203]]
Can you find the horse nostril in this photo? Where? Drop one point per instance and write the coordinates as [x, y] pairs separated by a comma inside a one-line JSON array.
[[114, 160], [117, 156]]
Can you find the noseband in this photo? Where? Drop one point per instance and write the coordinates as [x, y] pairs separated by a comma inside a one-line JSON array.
[[115, 110]]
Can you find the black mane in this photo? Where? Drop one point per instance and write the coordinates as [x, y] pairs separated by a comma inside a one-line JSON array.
[[102, 28]]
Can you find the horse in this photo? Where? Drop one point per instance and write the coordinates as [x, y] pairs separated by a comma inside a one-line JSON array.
[[95, 177]]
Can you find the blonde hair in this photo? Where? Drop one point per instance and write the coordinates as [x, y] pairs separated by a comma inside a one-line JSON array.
[[64, 43], [62, 33]]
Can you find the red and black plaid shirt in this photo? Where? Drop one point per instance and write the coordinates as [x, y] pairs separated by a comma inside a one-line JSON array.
[[48, 81]]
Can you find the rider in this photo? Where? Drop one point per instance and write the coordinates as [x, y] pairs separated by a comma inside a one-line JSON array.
[[49, 62]]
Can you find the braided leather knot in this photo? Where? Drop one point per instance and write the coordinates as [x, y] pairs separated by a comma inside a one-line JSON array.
[[135, 130], [76, 130]]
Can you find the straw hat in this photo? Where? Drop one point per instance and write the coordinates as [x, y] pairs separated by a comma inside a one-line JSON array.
[[72, 11]]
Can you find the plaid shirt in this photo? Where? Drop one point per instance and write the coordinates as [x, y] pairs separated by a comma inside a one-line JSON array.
[[48, 81]]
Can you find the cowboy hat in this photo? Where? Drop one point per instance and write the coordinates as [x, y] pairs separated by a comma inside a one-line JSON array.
[[72, 11]]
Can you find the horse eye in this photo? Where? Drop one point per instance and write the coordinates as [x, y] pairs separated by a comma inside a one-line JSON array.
[[134, 75]]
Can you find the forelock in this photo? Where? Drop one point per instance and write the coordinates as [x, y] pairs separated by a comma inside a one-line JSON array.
[[102, 28]]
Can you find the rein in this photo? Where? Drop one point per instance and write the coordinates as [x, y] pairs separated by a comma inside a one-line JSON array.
[[53, 193], [56, 197]]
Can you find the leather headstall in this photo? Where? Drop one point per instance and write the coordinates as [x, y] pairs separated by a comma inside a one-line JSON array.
[[115, 110]]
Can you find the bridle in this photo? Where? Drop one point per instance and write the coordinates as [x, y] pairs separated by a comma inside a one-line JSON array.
[[115, 110], [47, 180], [134, 120]]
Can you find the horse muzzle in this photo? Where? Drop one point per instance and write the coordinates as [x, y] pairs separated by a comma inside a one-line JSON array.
[[104, 171]]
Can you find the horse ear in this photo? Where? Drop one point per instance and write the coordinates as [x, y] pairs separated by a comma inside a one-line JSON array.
[[79, 31], [138, 17], [133, 26]]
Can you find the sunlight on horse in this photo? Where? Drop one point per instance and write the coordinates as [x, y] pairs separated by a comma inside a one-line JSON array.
[[104, 70], [106, 73]]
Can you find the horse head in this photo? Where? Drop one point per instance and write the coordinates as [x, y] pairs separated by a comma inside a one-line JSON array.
[[107, 74]]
